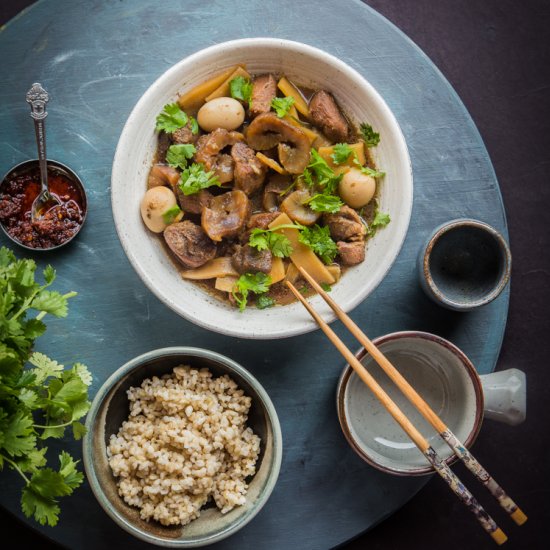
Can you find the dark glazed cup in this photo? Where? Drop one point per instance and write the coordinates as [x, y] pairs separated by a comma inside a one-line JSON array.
[[464, 264]]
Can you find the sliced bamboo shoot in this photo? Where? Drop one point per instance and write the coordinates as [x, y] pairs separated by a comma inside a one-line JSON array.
[[218, 267], [223, 89], [277, 272], [226, 284], [357, 149], [302, 256], [271, 163], [291, 91], [292, 273], [194, 98], [335, 271], [294, 119]]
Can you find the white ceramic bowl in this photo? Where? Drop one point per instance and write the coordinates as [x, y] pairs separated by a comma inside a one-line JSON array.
[[310, 67]]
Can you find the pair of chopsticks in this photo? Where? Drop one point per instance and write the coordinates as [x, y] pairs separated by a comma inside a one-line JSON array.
[[427, 412]]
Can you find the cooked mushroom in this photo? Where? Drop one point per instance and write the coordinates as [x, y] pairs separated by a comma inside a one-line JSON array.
[[296, 210], [209, 152], [161, 174], [267, 131], [189, 243], [273, 191], [226, 215]]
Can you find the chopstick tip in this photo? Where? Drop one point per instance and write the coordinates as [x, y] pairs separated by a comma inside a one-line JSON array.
[[519, 517], [499, 537]]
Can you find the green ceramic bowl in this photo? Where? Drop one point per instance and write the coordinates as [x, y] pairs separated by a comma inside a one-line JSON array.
[[110, 408]]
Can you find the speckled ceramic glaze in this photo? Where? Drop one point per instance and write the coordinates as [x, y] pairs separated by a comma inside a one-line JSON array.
[[308, 66], [110, 408], [464, 264], [440, 373]]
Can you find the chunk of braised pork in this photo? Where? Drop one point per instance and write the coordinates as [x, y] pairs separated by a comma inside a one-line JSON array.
[[273, 191], [185, 135], [326, 115], [249, 172], [160, 174], [209, 152], [193, 204], [351, 253], [262, 220], [264, 89], [345, 225], [268, 130], [226, 215], [189, 243], [247, 259], [163, 144]]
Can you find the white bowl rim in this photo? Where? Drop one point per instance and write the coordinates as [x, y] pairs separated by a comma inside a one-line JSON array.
[[402, 222], [232, 366]]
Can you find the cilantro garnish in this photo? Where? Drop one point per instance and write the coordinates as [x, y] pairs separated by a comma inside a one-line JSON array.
[[263, 301], [282, 105], [39, 398], [326, 287], [319, 240], [268, 239], [319, 174], [370, 137], [194, 125], [325, 203], [178, 155], [341, 153], [241, 88], [258, 283], [171, 214], [171, 118], [367, 169], [380, 220], [194, 178]]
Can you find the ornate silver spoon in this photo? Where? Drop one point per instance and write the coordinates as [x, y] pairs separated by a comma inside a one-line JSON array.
[[37, 97]]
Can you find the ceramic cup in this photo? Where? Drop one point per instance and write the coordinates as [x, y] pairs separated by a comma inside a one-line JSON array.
[[446, 379], [464, 264]]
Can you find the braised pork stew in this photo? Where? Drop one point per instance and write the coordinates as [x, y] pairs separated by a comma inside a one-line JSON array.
[[254, 177]]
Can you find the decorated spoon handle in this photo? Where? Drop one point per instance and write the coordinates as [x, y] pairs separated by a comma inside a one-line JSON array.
[[37, 97]]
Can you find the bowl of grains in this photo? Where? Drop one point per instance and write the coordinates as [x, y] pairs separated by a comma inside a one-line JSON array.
[[183, 447]]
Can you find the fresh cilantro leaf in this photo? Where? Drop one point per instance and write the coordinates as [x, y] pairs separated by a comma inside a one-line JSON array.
[[171, 118], [380, 220], [194, 125], [49, 274], [325, 178], [370, 137], [372, 172], [44, 510], [266, 239], [79, 430], [178, 155], [282, 105], [28, 397], [171, 215], [33, 328], [45, 367], [341, 153], [51, 302], [241, 88], [67, 469], [325, 203], [195, 178], [83, 373], [49, 483], [18, 435], [258, 283], [263, 301], [33, 460], [319, 240], [326, 287], [69, 392]]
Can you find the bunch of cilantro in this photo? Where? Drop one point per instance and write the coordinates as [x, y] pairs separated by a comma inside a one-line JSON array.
[[39, 398]]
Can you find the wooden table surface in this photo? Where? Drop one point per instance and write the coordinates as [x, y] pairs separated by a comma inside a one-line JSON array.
[[480, 51]]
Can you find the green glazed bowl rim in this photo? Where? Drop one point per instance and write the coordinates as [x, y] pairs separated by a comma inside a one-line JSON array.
[[232, 367]]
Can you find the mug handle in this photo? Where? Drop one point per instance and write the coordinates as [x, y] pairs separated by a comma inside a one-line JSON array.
[[505, 395]]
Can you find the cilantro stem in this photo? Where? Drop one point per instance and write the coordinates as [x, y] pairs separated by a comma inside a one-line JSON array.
[[16, 467], [26, 304], [57, 426]]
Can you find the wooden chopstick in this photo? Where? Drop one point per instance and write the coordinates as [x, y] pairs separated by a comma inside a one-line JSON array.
[[420, 441], [425, 410]]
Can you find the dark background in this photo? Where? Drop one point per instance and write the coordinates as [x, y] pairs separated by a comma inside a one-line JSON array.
[[496, 54]]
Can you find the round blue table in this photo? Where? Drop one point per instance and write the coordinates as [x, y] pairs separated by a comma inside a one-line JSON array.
[[96, 59]]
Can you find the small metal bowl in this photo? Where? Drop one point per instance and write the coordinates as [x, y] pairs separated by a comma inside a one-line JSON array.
[[57, 167]]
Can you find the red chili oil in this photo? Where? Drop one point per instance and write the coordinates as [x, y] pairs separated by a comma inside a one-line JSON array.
[[55, 226]]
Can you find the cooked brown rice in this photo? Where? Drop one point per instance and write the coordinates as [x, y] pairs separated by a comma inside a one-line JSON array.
[[186, 440]]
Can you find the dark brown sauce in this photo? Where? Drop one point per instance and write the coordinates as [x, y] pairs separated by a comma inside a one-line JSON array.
[[57, 224]]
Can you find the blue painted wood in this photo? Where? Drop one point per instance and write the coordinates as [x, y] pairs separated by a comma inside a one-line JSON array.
[[96, 58]]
